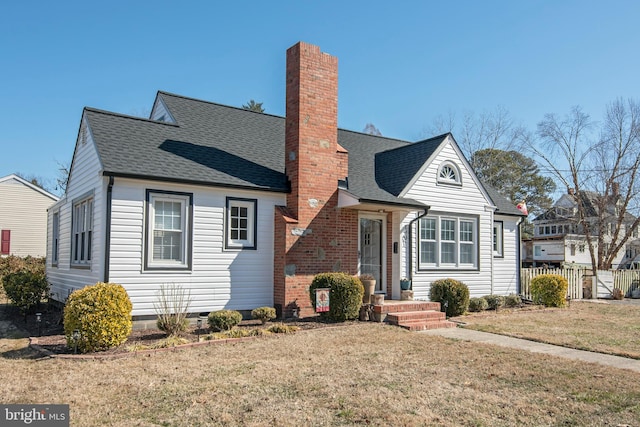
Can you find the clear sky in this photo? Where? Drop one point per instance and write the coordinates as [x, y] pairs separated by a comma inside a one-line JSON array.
[[401, 63]]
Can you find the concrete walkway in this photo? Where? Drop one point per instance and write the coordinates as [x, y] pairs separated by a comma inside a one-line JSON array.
[[536, 347]]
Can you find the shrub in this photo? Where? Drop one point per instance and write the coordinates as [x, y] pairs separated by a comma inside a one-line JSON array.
[[25, 288], [14, 264], [512, 300], [478, 304], [264, 314], [494, 302], [549, 290], [452, 294], [617, 294], [345, 295], [172, 309], [224, 320], [281, 328], [102, 315]]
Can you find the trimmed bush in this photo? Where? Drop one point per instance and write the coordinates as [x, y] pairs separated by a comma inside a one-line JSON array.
[[102, 315], [26, 288], [264, 314], [512, 300], [452, 294], [549, 290], [14, 264], [494, 302], [281, 328], [345, 295], [224, 320], [478, 304]]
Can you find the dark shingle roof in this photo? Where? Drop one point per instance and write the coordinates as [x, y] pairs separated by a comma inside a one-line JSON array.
[[503, 205], [213, 144]]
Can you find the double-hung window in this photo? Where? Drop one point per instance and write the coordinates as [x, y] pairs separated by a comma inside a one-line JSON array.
[[498, 239], [82, 232], [240, 218], [55, 237], [448, 242], [168, 230]]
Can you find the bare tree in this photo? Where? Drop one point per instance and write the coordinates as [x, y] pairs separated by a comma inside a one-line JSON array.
[[63, 177], [494, 130], [600, 166]]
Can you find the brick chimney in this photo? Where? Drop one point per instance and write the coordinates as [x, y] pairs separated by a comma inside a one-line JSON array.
[[311, 234], [311, 135]]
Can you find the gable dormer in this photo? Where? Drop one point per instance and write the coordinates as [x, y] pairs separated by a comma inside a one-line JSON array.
[[160, 111]]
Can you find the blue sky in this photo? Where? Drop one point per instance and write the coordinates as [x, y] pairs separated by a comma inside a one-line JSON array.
[[401, 64]]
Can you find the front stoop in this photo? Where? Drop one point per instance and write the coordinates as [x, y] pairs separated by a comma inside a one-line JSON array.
[[414, 315]]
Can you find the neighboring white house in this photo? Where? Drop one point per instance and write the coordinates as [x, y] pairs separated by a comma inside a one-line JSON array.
[[243, 208], [559, 240], [23, 217]]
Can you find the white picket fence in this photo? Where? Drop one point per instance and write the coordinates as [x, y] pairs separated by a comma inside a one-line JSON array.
[[583, 279]]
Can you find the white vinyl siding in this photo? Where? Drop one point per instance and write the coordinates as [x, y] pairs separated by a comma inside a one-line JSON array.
[[219, 278], [84, 179], [505, 270], [466, 201]]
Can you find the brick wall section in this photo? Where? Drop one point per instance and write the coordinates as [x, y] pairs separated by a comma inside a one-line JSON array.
[[312, 235]]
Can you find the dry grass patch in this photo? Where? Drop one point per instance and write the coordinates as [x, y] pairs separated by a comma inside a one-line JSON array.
[[600, 327], [366, 373]]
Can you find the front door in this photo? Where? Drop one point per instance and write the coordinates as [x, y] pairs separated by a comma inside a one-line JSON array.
[[372, 249]]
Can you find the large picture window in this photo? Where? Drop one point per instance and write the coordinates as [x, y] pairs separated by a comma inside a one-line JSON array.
[[448, 242], [168, 230], [240, 232], [82, 232]]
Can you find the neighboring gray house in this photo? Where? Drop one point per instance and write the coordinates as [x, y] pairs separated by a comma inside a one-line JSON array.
[[23, 217], [243, 208]]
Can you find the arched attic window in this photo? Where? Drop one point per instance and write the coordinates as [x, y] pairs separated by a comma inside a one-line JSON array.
[[449, 173]]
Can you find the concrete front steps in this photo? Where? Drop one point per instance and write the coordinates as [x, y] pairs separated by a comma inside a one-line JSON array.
[[413, 315]]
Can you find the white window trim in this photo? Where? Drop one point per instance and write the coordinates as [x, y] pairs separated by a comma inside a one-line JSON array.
[[439, 265], [186, 219], [498, 239], [252, 224], [82, 234], [456, 180]]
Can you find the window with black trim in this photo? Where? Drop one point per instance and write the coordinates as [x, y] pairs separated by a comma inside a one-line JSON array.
[[448, 242], [168, 230], [82, 232], [241, 223], [449, 173], [55, 237], [498, 239]]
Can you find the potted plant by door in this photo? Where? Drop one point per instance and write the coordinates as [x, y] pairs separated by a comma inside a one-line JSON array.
[[369, 283], [405, 284]]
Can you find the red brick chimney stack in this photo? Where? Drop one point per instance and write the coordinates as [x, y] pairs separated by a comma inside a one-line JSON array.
[[311, 129]]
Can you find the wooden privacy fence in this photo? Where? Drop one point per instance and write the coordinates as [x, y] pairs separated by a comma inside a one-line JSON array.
[[626, 280]]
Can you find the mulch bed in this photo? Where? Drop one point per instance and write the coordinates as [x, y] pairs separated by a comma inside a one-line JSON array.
[[50, 337]]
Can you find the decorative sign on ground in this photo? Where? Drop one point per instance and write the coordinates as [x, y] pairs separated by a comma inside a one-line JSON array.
[[322, 300]]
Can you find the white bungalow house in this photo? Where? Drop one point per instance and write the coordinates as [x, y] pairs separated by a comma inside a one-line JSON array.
[[243, 208], [23, 217]]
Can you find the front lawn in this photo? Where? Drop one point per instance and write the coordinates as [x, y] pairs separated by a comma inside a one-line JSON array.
[[593, 326], [362, 374]]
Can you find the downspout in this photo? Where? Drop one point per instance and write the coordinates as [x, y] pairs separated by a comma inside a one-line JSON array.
[[410, 261], [107, 231]]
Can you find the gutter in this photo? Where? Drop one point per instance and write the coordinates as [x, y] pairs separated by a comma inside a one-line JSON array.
[[410, 261], [107, 232]]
